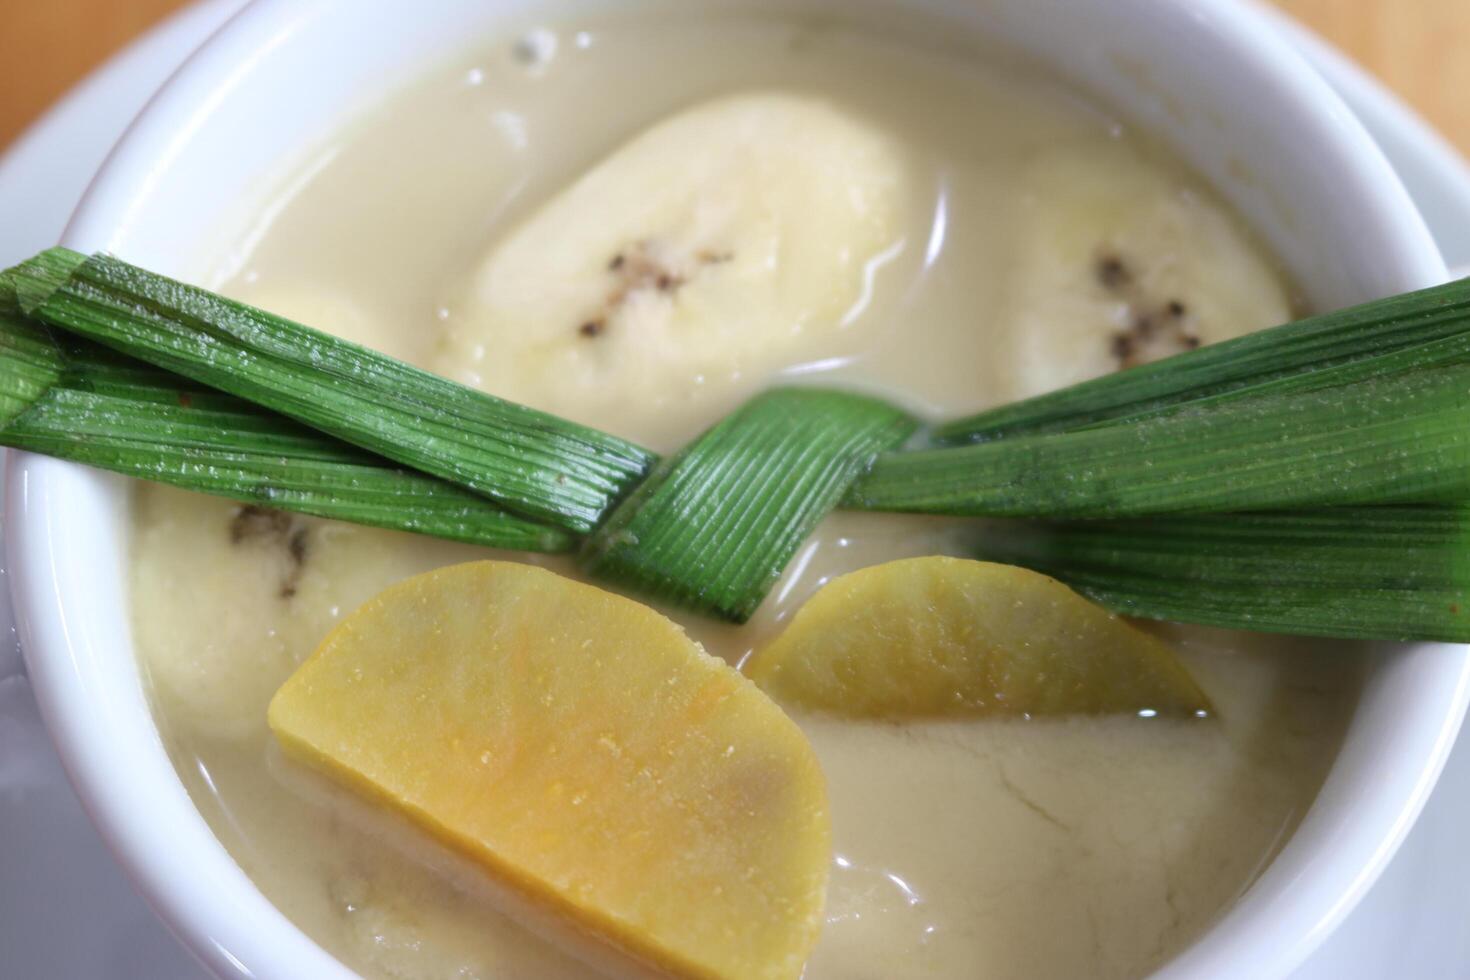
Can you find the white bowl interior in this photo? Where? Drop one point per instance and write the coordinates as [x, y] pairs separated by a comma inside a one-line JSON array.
[[1206, 76]]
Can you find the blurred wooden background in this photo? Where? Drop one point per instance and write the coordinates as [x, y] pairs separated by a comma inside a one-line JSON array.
[[1421, 48], [46, 46]]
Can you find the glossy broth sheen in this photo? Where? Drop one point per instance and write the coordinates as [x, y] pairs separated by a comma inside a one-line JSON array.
[[1041, 848]]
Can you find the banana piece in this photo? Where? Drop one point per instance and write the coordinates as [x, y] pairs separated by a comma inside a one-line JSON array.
[[212, 666], [723, 243], [1120, 261]]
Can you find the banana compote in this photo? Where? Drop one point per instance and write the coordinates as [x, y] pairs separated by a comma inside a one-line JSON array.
[[637, 223]]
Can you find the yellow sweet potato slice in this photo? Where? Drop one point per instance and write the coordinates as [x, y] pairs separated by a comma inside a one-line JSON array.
[[585, 752], [945, 637]]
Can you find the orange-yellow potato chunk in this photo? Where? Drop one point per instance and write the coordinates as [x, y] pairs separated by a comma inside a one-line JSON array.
[[945, 637], [584, 751]]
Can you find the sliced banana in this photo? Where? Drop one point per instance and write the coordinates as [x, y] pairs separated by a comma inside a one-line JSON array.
[[721, 244], [1120, 261]]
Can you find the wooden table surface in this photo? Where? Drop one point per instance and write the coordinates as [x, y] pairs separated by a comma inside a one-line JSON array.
[[1421, 48]]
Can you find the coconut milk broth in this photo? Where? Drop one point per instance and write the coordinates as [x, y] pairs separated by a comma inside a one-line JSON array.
[[1040, 848]]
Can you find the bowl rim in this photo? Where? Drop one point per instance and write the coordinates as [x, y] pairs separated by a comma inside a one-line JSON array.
[[208, 902]]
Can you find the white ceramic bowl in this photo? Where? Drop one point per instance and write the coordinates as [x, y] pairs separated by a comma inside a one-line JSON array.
[[1208, 76]]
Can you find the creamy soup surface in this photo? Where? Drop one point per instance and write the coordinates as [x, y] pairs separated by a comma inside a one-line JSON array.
[[1005, 238]]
